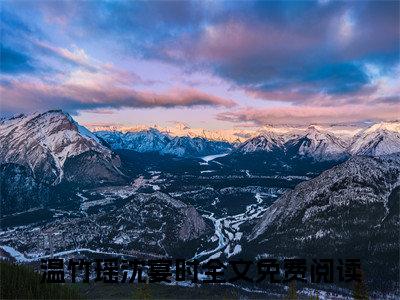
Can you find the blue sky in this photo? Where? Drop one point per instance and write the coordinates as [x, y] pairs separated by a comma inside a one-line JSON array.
[[210, 64]]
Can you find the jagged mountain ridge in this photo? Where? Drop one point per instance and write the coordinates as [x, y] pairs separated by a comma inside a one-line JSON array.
[[49, 144], [42, 151], [315, 142], [379, 139], [351, 208], [152, 140], [236, 135], [319, 145], [267, 142]]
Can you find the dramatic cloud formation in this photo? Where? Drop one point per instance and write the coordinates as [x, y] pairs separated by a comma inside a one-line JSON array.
[[312, 55], [81, 95], [310, 60], [310, 114]]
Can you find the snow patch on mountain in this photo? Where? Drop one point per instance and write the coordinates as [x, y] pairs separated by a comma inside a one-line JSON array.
[[379, 139], [153, 140], [267, 142], [44, 142], [323, 143]]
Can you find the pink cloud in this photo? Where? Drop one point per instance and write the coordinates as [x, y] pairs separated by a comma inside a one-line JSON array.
[[311, 114], [306, 94], [71, 95], [236, 40]]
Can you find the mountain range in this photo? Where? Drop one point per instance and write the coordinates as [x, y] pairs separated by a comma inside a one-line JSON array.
[[315, 142], [379, 139], [53, 148], [237, 135], [338, 192], [152, 140]]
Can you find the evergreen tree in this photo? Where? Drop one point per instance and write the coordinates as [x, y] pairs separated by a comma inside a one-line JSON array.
[[292, 292], [22, 282], [142, 291], [360, 291]]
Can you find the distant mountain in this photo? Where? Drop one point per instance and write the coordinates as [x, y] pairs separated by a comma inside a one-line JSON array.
[[238, 135], [351, 208], [379, 139], [320, 144], [152, 140], [313, 143], [266, 142], [187, 146]]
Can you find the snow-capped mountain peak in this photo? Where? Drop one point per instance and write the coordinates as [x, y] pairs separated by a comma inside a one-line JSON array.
[[265, 142], [45, 141], [379, 139], [84, 132], [149, 140], [384, 126], [320, 145], [152, 140]]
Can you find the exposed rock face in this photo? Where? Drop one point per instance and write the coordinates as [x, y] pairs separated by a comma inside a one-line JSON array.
[[193, 224], [379, 139], [312, 143], [320, 144], [43, 150], [349, 210], [92, 168], [44, 142], [360, 179], [187, 146], [266, 142], [152, 140]]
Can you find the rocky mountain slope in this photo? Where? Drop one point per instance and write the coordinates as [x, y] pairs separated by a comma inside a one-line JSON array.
[[318, 145], [53, 146], [267, 142], [127, 222], [321, 144], [43, 150], [152, 140], [352, 208], [379, 139]]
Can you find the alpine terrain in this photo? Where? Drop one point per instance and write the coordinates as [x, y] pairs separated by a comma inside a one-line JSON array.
[[316, 191]]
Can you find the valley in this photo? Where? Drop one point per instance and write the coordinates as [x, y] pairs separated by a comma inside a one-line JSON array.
[[73, 193]]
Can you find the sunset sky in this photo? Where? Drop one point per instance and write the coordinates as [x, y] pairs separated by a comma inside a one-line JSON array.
[[209, 64]]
